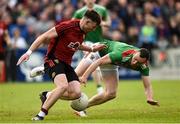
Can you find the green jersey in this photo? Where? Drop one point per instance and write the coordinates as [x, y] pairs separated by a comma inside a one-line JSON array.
[[96, 35], [121, 54]]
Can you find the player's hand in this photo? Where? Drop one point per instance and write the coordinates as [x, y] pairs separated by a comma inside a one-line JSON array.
[[86, 53], [152, 102], [98, 47], [83, 80], [23, 58]]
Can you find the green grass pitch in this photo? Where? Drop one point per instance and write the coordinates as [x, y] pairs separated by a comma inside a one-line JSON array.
[[19, 102]]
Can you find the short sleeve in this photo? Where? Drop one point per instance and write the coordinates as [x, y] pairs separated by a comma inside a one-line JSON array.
[[115, 57], [60, 28], [76, 15], [105, 14]]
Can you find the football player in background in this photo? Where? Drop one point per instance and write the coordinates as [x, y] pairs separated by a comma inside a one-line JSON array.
[[93, 37]]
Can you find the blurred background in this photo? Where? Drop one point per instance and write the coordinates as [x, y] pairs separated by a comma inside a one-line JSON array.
[[154, 24]]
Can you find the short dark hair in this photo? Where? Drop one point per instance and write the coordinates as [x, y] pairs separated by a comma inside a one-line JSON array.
[[93, 15], [144, 53]]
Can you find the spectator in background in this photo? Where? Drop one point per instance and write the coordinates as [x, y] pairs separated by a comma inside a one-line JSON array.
[[122, 29], [122, 11], [18, 42], [68, 12], [147, 36], [132, 35], [4, 39], [162, 30], [175, 31], [58, 12], [139, 20], [31, 35], [21, 24], [116, 35], [43, 23], [114, 20]]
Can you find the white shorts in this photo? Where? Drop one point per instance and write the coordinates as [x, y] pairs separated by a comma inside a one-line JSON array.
[[93, 56]]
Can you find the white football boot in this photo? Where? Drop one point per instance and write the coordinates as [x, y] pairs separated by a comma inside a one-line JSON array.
[[37, 71], [81, 113]]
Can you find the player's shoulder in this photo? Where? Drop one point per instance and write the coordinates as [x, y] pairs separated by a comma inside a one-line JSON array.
[[81, 10], [99, 7], [68, 24]]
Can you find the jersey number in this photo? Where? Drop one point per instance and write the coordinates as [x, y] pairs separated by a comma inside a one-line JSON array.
[[74, 45]]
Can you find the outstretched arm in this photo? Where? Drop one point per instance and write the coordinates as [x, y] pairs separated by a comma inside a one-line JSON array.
[[101, 61], [94, 48], [41, 39], [148, 91]]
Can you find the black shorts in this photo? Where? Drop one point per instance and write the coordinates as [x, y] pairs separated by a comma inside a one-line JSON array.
[[60, 67], [2, 56]]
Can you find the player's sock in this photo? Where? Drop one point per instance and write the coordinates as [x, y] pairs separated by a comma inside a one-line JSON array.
[[40, 116], [43, 112], [100, 89]]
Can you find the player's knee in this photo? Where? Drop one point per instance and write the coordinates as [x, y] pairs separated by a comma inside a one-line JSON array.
[[76, 95], [111, 95], [62, 88]]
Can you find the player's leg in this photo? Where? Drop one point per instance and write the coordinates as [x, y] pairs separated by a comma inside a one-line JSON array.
[[71, 93], [85, 63], [74, 87], [97, 77], [61, 84], [57, 73], [82, 66], [73, 90], [110, 77]]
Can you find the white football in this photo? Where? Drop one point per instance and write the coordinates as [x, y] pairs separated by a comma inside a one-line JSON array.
[[81, 103]]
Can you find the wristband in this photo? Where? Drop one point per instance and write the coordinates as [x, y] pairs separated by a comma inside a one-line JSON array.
[[29, 52]]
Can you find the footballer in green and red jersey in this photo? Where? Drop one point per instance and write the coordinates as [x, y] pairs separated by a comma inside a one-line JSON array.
[[121, 54], [125, 55]]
